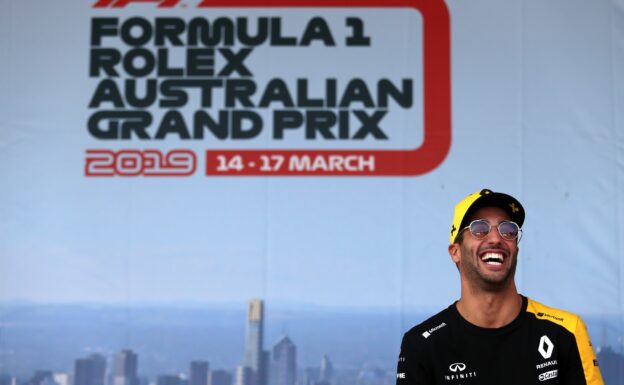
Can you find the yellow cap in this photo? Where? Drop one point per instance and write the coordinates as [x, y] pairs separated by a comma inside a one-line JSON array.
[[485, 198]]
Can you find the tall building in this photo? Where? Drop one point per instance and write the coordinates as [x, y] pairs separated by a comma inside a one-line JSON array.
[[99, 368], [90, 370], [125, 368], [255, 356], [219, 377], [283, 370], [244, 375], [199, 373], [327, 369], [83, 371]]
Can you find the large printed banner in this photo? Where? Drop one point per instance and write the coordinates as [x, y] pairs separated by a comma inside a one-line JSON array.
[[275, 91], [180, 175]]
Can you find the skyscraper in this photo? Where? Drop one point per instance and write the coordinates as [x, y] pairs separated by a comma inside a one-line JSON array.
[[99, 368], [255, 356], [199, 373], [327, 369], [283, 362], [125, 368], [83, 371], [244, 375], [90, 370]]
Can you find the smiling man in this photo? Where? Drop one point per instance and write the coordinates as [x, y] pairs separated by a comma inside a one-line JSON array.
[[492, 335]]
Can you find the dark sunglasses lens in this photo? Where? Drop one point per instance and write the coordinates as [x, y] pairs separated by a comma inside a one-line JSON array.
[[508, 230], [479, 228]]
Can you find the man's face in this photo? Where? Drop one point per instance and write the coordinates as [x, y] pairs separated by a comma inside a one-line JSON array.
[[489, 263]]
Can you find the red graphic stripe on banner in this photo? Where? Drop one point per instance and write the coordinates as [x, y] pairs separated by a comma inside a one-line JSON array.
[[437, 100], [313, 162]]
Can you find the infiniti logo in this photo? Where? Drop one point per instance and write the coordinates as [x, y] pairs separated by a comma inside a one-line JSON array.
[[458, 366], [459, 372]]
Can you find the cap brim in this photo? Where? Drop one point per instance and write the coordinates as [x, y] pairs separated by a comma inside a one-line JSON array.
[[509, 204]]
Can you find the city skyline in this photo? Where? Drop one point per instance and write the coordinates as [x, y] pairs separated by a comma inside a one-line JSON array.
[[124, 365]]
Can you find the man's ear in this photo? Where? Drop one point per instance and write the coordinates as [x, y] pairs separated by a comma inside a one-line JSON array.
[[455, 252]]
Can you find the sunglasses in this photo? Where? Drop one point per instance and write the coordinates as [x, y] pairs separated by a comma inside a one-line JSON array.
[[508, 230]]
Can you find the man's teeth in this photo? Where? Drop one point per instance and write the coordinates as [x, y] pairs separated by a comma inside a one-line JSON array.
[[492, 258]]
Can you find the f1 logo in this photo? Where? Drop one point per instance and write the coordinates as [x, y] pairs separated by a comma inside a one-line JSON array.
[[545, 347]]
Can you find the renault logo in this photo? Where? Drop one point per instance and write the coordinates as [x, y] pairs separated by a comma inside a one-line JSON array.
[[457, 367], [545, 347]]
